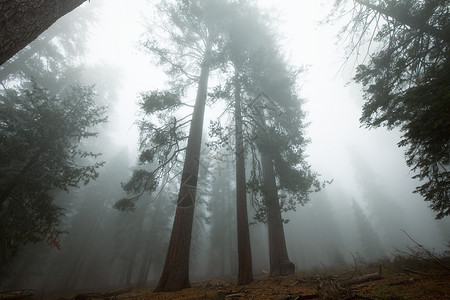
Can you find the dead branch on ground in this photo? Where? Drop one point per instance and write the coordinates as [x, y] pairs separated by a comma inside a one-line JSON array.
[[21, 294], [422, 253], [102, 295]]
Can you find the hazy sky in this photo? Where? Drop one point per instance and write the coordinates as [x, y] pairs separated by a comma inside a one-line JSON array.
[[333, 103], [333, 109]]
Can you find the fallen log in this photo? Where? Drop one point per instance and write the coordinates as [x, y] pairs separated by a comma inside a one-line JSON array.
[[365, 278], [22, 294], [102, 295], [411, 280]]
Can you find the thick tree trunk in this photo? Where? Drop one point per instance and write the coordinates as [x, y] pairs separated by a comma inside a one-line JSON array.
[[175, 274], [18, 63], [279, 260], [245, 274], [22, 21]]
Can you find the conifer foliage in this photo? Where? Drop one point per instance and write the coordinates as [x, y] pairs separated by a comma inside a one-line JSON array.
[[40, 151], [406, 83]]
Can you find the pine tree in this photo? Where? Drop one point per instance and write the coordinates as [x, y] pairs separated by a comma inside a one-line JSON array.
[[370, 243], [406, 83]]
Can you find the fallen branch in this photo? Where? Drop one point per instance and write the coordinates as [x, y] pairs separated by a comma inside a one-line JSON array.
[[235, 295], [298, 297], [22, 294], [426, 253], [356, 296], [411, 280], [102, 295], [365, 278]]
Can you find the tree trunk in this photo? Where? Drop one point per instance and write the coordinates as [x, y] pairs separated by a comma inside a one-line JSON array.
[[279, 260], [175, 274], [140, 216], [18, 63], [22, 21], [147, 257], [245, 274]]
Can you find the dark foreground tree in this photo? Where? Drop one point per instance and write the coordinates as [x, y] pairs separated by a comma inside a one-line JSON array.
[[40, 152], [406, 83], [21, 22]]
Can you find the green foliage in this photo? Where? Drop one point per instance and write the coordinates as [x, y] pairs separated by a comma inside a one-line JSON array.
[[40, 152], [268, 90], [155, 101], [406, 85], [161, 138]]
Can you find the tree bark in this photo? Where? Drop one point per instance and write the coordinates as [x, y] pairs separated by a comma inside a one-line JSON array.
[[22, 21], [279, 260], [175, 274], [245, 274]]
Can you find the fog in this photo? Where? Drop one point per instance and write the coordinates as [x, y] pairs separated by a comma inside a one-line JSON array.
[[363, 213]]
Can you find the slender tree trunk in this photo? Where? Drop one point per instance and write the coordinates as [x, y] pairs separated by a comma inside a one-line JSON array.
[[175, 274], [22, 21], [134, 246], [279, 260], [245, 274], [147, 257]]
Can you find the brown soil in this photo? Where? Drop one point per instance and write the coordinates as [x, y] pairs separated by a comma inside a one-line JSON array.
[[398, 281]]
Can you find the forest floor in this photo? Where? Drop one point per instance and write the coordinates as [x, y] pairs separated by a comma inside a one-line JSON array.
[[397, 279], [401, 279]]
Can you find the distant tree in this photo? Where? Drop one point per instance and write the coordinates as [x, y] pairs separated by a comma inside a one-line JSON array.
[[21, 22], [40, 151], [406, 82], [383, 210], [222, 221], [370, 243]]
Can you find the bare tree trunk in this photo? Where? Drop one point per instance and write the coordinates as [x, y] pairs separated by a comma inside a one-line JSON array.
[[134, 246], [245, 274], [22, 21], [175, 274], [147, 257], [279, 260]]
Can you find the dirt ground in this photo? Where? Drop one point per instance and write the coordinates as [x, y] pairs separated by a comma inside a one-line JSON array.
[[402, 278], [396, 281]]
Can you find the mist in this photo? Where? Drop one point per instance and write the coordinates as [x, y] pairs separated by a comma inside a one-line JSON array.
[[365, 209]]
